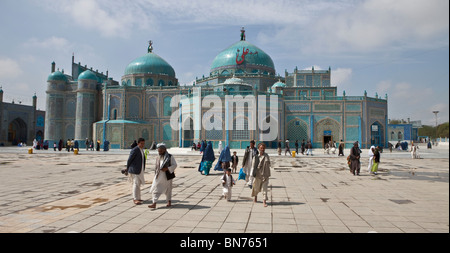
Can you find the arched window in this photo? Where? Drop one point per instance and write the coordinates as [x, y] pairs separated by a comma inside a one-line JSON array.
[[167, 132], [153, 107], [167, 108], [133, 107], [114, 104], [138, 82], [149, 82], [161, 83]]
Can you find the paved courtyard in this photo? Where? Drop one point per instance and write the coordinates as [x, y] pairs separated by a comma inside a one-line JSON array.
[[59, 192]]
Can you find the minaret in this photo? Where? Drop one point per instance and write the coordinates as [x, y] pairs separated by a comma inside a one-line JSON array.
[[35, 101], [54, 105], [86, 104]]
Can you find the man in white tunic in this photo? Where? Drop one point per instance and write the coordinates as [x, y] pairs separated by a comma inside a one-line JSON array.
[[250, 153], [165, 166]]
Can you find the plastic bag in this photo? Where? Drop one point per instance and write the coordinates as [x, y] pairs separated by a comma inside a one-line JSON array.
[[242, 175]]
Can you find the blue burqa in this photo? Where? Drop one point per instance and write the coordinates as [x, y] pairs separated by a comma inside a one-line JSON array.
[[207, 159], [225, 156], [203, 146]]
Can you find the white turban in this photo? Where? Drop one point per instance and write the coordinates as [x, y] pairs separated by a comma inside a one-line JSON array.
[[161, 145]]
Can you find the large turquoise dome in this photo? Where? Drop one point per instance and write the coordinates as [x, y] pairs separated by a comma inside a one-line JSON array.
[[150, 63], [243, 54]]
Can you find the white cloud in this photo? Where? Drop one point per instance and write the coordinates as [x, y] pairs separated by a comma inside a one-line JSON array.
[[55, 43], [341, 77], [109, 18], [311, 26], [384, 86], [403, 91], [367, 26], [9, 68]]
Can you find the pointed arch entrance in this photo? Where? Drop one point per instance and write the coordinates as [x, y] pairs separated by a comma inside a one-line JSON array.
[[17, 131], [376, 134]]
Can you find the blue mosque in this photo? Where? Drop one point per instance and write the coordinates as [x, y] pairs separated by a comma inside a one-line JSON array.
[[89, 104]]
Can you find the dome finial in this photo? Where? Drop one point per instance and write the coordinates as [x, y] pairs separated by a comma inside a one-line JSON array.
[[150, 47], [242, 33]]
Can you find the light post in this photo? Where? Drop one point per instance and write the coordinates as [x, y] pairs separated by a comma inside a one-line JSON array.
[[435, 114]]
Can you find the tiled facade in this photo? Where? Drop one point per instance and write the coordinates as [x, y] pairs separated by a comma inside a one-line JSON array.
[[140, 104]]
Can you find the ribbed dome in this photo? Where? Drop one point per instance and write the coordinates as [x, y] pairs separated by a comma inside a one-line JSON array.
[[57, 76], [87, 75], [234, 80], [278, 84], [150, 63], [242, 53]]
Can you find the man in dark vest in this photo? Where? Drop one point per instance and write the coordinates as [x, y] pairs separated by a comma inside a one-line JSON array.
[[135, 169]]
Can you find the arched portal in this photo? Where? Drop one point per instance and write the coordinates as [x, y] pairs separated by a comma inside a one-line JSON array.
[[376, 134], [17, 131], [327, 130], [188, 132]]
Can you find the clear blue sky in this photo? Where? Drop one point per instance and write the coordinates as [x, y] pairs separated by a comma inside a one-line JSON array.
[[398, 47]]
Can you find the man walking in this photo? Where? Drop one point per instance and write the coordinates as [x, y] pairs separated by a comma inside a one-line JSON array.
[[247, 163], [164, 173], [355, 154], [135, 169]]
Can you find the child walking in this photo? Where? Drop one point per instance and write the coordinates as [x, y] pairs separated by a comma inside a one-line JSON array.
[[227, 183], [234, 161]]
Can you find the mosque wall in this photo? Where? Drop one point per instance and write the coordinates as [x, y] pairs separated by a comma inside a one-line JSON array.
[[308, 106]]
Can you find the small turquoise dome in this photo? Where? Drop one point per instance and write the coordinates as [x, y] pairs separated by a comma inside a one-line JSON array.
[[234, 80], [244, 54], [57, 76], [87, 75], [278, 84], [150, 63]]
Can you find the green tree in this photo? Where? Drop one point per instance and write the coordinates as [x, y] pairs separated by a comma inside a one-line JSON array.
[[442, 130]]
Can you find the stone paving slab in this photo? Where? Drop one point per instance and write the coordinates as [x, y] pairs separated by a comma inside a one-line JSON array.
[[59, 192]]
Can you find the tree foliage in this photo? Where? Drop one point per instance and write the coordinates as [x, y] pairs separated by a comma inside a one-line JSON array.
[[442, 130]]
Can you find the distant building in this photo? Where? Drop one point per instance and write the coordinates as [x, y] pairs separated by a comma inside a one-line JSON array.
[[404, 131], [20, 123]]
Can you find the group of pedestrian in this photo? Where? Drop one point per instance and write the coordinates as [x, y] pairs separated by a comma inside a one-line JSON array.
[[305, 146], [255, 168], [355, 163], [255, 162], [164, 173], [71, 145]]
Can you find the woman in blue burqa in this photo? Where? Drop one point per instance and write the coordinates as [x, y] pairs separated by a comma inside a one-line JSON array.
[[207, 159], [224, 160], [203, 146]]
